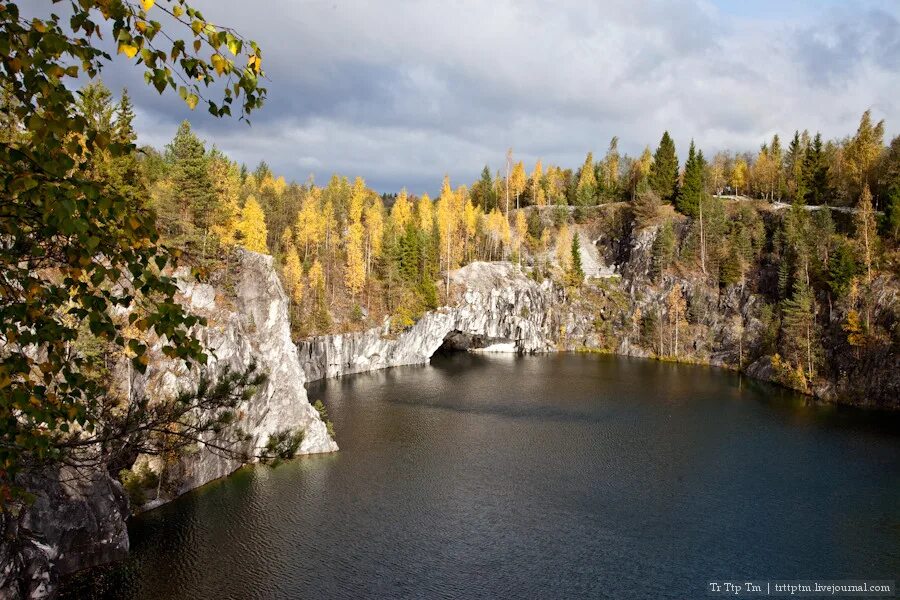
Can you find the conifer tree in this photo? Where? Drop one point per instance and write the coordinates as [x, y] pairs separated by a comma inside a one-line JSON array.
[[124, 128], [799, 335], [190, 177], [576, 271], [664, 170], [484, 194], [796, 166], [688, 200]]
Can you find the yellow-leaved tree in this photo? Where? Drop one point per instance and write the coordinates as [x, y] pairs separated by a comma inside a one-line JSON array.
[[355, 273], [521, 232], [739, 176], [447, 219], [517, 181], [537, 177], [426, 214], [226, 180], [470, 221], [292, 274], [252, 227], [401, 212], [374, 217], [564, 248], [308, 228]]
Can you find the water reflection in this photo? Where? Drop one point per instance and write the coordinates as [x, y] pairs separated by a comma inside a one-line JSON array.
[[558, 476]]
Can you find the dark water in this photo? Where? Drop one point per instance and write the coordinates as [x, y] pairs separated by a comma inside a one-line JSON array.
[[558, 476]]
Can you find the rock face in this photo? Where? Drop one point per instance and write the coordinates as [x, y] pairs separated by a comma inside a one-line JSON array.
[[499, 308], [249, 327], [77, 521]]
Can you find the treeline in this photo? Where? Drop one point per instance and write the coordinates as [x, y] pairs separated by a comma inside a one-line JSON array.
[[350, 257]]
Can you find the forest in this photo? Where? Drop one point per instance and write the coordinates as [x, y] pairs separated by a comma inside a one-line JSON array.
[[349, 256]]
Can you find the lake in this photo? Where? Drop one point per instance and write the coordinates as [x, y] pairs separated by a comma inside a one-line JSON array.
[[493, 476]]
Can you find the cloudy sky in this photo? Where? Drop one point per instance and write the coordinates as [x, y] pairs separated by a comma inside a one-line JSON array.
[[402, 92]]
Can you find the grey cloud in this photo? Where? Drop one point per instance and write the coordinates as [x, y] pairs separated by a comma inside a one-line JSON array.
[[403, 92]]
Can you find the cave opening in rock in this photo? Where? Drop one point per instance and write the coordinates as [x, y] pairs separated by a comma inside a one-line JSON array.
[[457, 341]]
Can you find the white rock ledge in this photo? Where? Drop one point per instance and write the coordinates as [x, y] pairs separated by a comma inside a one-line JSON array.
[[500, 306]]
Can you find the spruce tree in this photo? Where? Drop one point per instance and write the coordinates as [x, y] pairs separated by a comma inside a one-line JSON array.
[[815, 168], [689, 195], [576, 271], [664, 171], [124, 128]]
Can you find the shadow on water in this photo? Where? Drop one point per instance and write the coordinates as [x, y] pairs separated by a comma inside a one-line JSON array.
[[486, 476]]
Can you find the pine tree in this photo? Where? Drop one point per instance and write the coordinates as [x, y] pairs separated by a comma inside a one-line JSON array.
[[190, 177], [664, 170], [252, 227]]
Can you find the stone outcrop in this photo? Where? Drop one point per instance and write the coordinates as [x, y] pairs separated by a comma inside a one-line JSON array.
[[247, 327], [498, 308], [77, 520]]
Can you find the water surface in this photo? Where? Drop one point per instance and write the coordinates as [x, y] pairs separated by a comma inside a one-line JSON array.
[[552, 476]]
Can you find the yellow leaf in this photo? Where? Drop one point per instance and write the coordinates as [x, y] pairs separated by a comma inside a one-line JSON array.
[[177, 11], [218, 63], [192, 100], [128, 50], [148, 4]]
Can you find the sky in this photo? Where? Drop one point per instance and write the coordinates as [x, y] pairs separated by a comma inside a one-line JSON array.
[[402, 92]]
